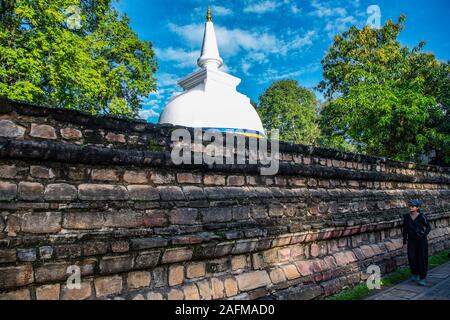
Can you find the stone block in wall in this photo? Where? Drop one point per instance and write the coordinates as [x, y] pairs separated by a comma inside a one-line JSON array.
[[100, 192], [40, 172], [176, 275], [60, 192], [48, 292], [171, 193], [217, 214], [7, 255], [184, 216], [8, 171], [8, 191], [31, 191], [193, 193], [108, 286], [34, 223], [139, 279], [116, 264], [95, 248], [191, 293], [135, 177], [252, 280], [148, 243], [195, 270], [82, 293], [143, 193], [14, 277], [9, 129], [177, 255], [18, 295], [204, 289], [105, 175], [71, 134], [83, 220], [43, 131], [217, 288], [147, 260]]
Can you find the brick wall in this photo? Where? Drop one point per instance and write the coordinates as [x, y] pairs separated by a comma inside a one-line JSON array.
[[102, 194]]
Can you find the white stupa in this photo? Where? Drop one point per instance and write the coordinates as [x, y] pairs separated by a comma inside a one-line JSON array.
[[210, 100]]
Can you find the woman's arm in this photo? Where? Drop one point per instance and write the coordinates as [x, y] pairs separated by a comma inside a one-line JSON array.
[[405, 230]]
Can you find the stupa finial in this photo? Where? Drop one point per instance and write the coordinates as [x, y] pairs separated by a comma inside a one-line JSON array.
[[209, 16]]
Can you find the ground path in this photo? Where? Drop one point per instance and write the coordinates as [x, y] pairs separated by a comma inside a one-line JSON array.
[[437, 288]]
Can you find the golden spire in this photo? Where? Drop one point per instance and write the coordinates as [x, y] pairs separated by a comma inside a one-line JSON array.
[[209, 16]]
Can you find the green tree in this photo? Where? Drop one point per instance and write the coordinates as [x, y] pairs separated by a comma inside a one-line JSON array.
[[292, 109], [87, 59], [380, 99]]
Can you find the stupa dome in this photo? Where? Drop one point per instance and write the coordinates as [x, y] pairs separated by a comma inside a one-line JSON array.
[[210, 100]]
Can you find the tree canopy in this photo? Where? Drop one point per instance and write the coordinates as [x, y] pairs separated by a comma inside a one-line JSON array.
[[74, 54], [383, 98], [292, 109]]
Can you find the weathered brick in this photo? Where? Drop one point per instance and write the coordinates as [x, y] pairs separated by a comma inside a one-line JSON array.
[[252, 280], [8, 172], [196, 270], [9, 129], [71, 134], [123, 219], [13, 277], [42, 172], [176, 275], [60, 192], [30, 191], [83, 293], [43, 131], [291, 272], [304, 267], [236, 181], [100, 192], [135, 177], [171, 193], [107, 175], [189, 178], [120, 247], [204, 290], [115, 138], [7, 255], [214, 180], [238, 262], [175, 294], [344, 258], [211, 215], [107, 286], [277, 276], [83, 220], [184, 216], [154, 296], [35, 223], [163, 178], [26, 255], [231, 288], [148, 243], [191, 293], [95, 248], [143, 193], [51, 272], [217, 288], [8, 191], [177, 255], [48, 292], [139, 279], [147, 260], [19, 295], [155, 219], [193, 193], [111, 265]]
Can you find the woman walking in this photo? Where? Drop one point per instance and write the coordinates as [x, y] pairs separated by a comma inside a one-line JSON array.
[[415, 231]]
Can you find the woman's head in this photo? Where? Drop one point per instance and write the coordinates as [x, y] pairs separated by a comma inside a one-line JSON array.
[[414, 205]]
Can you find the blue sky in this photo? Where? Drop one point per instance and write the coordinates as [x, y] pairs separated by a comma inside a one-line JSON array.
[[262, 41]]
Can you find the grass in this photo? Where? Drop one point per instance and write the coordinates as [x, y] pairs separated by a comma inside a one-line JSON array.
[[360, 291]]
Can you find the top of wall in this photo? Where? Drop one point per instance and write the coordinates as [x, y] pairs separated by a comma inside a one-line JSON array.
[[138, 135]]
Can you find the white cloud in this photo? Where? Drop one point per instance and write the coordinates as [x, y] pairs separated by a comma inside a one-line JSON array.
[[182, 58], [221, 11], [145, 114], [322, 11], [261, 7], [339, 25], [276, 74]]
